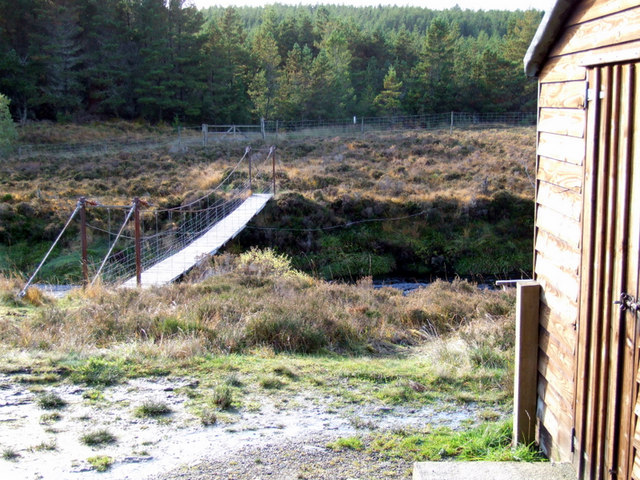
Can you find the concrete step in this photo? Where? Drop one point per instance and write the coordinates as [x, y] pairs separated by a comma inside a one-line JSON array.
[[492, 471]]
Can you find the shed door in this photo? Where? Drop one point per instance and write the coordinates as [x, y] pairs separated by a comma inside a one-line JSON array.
[[607, 429]]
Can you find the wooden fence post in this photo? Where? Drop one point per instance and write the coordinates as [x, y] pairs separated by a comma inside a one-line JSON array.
[[262, 128], [136, 221], [205, 134], [83, 241], [526, 362], [451, 127]]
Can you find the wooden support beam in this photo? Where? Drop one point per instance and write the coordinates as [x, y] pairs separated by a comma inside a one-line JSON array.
[[526, 368]]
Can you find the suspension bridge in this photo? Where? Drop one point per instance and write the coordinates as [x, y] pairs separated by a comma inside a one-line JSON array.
[[156, 246]]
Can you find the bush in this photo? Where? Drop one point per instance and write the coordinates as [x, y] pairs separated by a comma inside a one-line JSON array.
[[8, 132]]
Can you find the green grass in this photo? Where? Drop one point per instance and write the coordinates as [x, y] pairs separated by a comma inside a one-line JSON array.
[[349, 443], [98, 437], [152, 408], [50, 401], [486, 442], [49, 418], [10, 454], [100, 463], [222, 397], [98, 372], [46, 446]]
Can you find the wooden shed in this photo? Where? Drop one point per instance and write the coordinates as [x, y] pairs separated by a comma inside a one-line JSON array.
[[587, 235]]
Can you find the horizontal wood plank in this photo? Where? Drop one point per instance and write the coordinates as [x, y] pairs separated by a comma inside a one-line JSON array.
[[559, 226], [562, 174], [558, 381], [552, 400], [592, 9], [557, 301], [562, 329], [562, 95], [611, 30], [559, 252], [562, 69], [562, 200], [550, 274], [562, 147], [558, 351], [568, 122]]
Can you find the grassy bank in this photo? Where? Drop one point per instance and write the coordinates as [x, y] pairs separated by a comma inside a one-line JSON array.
[[414, 203], [258, 304], [249, 331]]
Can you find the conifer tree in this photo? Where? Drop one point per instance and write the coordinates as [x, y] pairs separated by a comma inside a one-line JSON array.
[[388, 100], [7, 129]]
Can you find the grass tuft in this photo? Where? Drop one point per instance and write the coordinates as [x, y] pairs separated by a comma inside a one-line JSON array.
[[348, 443], [99, 372], [152, 408], [222, 397], [99, 437], [10, 454], [50, 401], [100, 463]]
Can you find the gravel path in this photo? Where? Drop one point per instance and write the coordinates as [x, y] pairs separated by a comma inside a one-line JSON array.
[[294, 460]]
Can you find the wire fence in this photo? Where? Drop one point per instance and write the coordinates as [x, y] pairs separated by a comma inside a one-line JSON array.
[[205, 135]]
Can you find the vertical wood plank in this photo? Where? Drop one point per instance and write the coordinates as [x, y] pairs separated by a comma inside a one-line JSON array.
[[526, 362], [581, 460]]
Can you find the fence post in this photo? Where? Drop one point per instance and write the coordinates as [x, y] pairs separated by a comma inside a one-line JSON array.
[[277, 125], [526, 367], [362, 125], [205, 134], [451, 127], [262, 127], [83, 241], [136, 221]]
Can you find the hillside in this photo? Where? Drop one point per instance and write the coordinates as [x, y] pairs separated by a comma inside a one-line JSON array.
[[414, 203]]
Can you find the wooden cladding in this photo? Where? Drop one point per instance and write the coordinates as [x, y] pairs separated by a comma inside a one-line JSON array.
[[607, 339]]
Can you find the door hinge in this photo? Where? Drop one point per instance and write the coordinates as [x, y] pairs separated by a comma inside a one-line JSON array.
[[628, 302], [573, 440]]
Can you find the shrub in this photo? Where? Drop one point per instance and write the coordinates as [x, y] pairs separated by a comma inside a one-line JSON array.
[[8, 131]]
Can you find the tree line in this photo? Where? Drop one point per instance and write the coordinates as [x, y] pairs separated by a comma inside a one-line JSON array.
[[164, 60]]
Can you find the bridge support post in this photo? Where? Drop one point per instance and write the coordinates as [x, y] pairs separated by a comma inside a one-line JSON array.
[[136, 221], [83, 240], [273, 162]]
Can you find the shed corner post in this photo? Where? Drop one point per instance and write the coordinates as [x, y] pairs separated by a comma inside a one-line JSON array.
[[526, 362]]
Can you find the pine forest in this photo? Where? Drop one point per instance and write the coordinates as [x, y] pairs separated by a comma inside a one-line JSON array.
[[167, 61]]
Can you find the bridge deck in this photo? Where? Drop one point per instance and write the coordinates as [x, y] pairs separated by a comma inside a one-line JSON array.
[[171, 268]]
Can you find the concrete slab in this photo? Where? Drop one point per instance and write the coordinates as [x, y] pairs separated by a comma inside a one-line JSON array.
[[492, 471]]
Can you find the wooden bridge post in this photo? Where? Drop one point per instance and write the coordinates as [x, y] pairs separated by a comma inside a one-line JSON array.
[[273, 161], [526, 367], [248, 151], [83, 241], [136, 221]]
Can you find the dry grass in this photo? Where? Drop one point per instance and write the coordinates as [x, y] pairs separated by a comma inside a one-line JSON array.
[[258, 303]]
